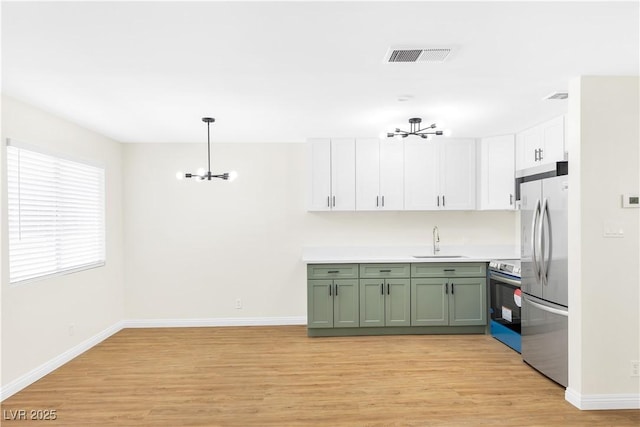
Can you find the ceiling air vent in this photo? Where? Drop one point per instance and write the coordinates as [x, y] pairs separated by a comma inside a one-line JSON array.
[[431, 54], [557, 95]]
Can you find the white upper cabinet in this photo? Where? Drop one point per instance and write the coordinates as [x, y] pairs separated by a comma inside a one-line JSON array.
[[554, 148], [497, 173], [541, 144], [458, 179], [440, 174], [391, 174], [379, 175], [343, 174], [421, 175], [319, 161], [332, 174]]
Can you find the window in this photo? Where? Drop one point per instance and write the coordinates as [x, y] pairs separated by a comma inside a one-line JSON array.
[[56, 214]]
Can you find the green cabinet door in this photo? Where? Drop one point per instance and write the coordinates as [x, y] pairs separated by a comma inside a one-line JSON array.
[[397, 302], [345, 303], [372, 302], [429, 302], [385, 302], [468, 301], [320, 303]]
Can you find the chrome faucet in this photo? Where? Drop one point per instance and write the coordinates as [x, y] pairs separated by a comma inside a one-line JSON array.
[[436, 240]]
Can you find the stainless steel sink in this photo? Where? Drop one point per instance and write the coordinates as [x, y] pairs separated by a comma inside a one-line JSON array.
[[439, 256]]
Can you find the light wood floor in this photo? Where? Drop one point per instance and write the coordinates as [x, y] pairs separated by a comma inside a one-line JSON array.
[[277, 376]]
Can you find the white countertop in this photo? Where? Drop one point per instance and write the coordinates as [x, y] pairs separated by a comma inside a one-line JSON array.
[[386, 254]]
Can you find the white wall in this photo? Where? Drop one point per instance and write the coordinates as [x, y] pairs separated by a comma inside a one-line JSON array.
[[604, 273], [194, 247], [36, 316]]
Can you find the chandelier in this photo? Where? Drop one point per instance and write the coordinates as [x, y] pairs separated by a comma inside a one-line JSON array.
[[201, 174], [414, 126]]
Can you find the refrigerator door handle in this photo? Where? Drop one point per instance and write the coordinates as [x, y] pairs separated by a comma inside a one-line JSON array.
[[547, 308], [545, 243], [534, 240]]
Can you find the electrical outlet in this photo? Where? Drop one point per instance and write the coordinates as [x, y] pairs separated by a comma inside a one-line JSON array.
[[613, 229], [238, 303], [72, 329], [635, 368]]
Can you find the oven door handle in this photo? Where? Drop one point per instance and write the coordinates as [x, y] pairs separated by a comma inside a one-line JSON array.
[[504, 279]]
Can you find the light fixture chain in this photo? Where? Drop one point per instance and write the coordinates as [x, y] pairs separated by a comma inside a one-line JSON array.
[[208, 149], [202, 175]]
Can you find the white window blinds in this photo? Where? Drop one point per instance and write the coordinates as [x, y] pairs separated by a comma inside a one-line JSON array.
[[56, 214]]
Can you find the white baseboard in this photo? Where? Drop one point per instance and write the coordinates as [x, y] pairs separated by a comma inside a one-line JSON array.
[[602, 401], [223, 321], [35, 374]]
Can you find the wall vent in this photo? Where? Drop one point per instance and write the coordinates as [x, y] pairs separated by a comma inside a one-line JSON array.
[[557, 95], [430, 54]]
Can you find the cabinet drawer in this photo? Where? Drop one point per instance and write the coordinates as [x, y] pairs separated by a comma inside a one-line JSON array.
[[329, 271], [453, 269], [384, 270]]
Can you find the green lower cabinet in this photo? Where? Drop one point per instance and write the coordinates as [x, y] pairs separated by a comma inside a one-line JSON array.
[[429, 302], [332, 303], [468, 301], [448, 301], [385, 302], [319, 304], [384, 299]]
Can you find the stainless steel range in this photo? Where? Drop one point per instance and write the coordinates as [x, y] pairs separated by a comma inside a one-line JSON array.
[[505, 302]]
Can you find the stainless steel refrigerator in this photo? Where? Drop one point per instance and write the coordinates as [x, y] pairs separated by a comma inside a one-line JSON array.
[[543, 203]]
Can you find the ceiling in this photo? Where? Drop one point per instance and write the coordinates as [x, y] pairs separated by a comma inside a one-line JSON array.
[[286, 71]]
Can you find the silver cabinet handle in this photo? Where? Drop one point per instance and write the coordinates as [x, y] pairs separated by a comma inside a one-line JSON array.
[[383, 201], [328, 202], [377, 200], [510, 199], [438, 200], [334, 201], [540, 154], [443, 203]]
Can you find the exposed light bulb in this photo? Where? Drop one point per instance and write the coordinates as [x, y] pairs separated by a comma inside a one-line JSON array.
[[200, 171], [232, 176], [382, 135], [179, 176], [446, 132], [398, 137]]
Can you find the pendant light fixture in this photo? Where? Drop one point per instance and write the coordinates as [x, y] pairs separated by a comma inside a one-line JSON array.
[[201, 174], [414, 129]]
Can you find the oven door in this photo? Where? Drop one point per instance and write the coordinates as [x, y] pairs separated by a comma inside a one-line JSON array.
[[505, 309]]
